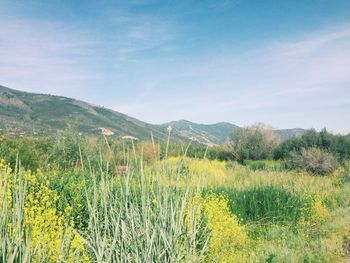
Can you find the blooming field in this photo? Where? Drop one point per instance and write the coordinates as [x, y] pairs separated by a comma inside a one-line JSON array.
[[172, 210]]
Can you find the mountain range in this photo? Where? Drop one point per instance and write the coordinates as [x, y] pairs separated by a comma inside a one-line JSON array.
[[26, 114]]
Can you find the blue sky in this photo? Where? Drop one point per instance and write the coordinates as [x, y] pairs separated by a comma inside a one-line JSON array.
[[285, 63]]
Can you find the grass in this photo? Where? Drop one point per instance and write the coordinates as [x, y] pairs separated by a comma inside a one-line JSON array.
[[263, 203], [142, 222], [171, 210]]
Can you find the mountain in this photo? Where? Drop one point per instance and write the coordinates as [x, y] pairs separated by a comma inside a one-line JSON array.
[[218, 133], [288, 133], [27, 113], [209, 134], [24, 113]]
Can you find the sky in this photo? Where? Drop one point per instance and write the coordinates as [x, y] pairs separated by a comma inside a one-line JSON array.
[[284, 63]]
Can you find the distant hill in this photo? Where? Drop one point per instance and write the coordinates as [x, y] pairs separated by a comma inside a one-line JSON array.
[[24, 113], [209, 134], [217, 133], [288, 133]]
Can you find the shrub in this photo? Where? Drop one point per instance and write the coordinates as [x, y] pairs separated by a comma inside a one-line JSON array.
[[31, 152], [256, 143], [313, 160], [220, 153], [294, 161], [66, 149], [339, 145], [318, 161]]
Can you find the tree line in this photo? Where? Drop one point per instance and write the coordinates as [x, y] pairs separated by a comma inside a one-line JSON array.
[[318, 152]]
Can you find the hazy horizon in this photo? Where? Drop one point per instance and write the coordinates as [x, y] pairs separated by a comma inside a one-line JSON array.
[[284, 63]]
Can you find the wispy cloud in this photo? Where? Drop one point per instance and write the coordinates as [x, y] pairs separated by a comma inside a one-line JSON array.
[[161, 65], [68, 59], [45, 56], [293, 77]]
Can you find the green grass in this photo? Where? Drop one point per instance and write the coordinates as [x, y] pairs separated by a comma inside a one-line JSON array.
[[152, 211], [270, 203]]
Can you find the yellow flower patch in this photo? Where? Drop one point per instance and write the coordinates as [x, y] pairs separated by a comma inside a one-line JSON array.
[[50, 231], [228, 237]]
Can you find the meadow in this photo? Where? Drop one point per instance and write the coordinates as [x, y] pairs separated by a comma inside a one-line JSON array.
[[77, 199]]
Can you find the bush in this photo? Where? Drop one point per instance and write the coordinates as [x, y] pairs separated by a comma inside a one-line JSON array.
[[30, 153], [255, 143], [294, 161], [66, 149], [339, 145], [220, 153], [313, 160]]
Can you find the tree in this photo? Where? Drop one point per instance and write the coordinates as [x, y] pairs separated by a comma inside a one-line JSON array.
[[255, 142], [338, 145]]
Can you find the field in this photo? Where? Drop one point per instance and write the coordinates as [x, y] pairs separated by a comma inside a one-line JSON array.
[[92, 202]]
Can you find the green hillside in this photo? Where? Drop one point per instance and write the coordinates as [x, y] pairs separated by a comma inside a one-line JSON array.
[[24, 113], [287, 133], [217, 133]]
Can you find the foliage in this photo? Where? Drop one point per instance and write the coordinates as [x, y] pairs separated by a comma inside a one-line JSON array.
[[195, 150], [33, 230], [228, 241], [142, 222], [49, 233], [198, 172], [269, 165], [338, 145], [29, 151], [345, 174], [66, 149], [263, 203], [43, 114], [255, 143], [255, 165], [76, 208], [221, 153], [312, 160]]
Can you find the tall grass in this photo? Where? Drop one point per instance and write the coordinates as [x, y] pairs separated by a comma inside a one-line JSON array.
[[130, 219], [134, 219], [20, 240], [272, 204], [14, 238], [171, 210]]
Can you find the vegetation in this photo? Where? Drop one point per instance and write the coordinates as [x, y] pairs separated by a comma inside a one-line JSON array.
[[313, 160], [338, 145], [23, 113], [71, 198], [253, 143], [29, 114]]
